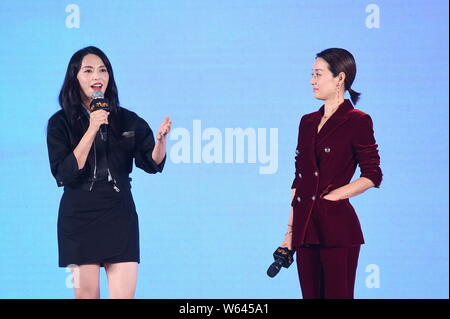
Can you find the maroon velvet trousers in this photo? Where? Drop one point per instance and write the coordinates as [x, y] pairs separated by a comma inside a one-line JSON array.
[[326, 272]]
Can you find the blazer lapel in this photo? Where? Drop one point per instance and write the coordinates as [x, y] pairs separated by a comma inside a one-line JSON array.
[[311, 135], [337, 119]]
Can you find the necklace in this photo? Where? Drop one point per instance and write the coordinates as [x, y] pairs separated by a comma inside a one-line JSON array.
[[332, 112], [327, 116]]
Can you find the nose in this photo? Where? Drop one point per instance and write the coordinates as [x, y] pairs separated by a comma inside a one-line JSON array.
[[95, 75]]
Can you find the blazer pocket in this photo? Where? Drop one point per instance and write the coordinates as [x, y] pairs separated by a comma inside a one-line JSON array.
[[331, 202], [326, 191], [128, 134], [127, 141]]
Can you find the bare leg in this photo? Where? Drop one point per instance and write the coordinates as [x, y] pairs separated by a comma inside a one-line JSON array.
[[86, 281], [122, 278]]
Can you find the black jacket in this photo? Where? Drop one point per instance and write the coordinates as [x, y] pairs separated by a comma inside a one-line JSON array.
[[136, 141]]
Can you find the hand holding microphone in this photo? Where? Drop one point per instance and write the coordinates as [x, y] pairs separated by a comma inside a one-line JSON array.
[[283, 255], [283, 258], [96, 119], [99, 114]]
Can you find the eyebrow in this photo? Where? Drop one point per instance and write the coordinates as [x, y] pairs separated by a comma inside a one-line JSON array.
[[318, 70], [89, 66]]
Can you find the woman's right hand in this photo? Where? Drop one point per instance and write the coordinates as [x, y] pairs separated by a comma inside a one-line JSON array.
[[287, 243], [96, 119]]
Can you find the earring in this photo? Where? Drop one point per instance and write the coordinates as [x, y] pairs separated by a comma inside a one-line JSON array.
[[337, 93]]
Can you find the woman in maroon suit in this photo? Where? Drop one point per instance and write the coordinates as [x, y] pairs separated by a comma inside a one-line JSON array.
[[323, 227]]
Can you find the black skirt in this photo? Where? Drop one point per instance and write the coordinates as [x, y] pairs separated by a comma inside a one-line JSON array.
[[98, 226]]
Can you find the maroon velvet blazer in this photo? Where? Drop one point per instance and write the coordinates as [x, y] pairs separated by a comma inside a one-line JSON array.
[[326, 161]]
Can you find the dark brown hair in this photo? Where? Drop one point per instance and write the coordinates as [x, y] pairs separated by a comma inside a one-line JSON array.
[[340, 60]]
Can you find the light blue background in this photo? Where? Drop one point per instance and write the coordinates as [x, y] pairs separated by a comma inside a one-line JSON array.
[[209, 230]]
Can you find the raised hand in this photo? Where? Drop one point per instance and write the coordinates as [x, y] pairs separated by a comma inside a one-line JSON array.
[[164, 129]]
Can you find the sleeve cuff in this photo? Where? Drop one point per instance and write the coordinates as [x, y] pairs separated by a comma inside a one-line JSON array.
[[375, 178], [157, 168], [68, 170], [294, 183]]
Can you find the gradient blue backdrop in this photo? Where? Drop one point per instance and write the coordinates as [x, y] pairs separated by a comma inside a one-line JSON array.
[[209, 230]]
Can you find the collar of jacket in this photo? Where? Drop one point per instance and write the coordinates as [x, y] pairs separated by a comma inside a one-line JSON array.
[[337, 119]]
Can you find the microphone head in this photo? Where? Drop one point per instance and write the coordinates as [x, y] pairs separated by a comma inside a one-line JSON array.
[[97, 94], [273, 269]]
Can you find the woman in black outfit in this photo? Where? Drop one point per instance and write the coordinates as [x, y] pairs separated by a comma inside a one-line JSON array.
[[97, 220]]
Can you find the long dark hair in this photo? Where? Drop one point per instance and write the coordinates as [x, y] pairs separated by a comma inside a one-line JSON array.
[[70, 95], [340, 60]]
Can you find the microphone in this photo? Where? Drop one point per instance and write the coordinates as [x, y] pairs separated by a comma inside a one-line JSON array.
[[99, 102], [283, 258]]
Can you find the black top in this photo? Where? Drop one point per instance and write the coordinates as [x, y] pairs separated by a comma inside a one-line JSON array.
[[136, 142], [100, 155]]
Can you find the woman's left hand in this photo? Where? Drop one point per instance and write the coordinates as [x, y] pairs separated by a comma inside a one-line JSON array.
[[331, 196], [164, 129]]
